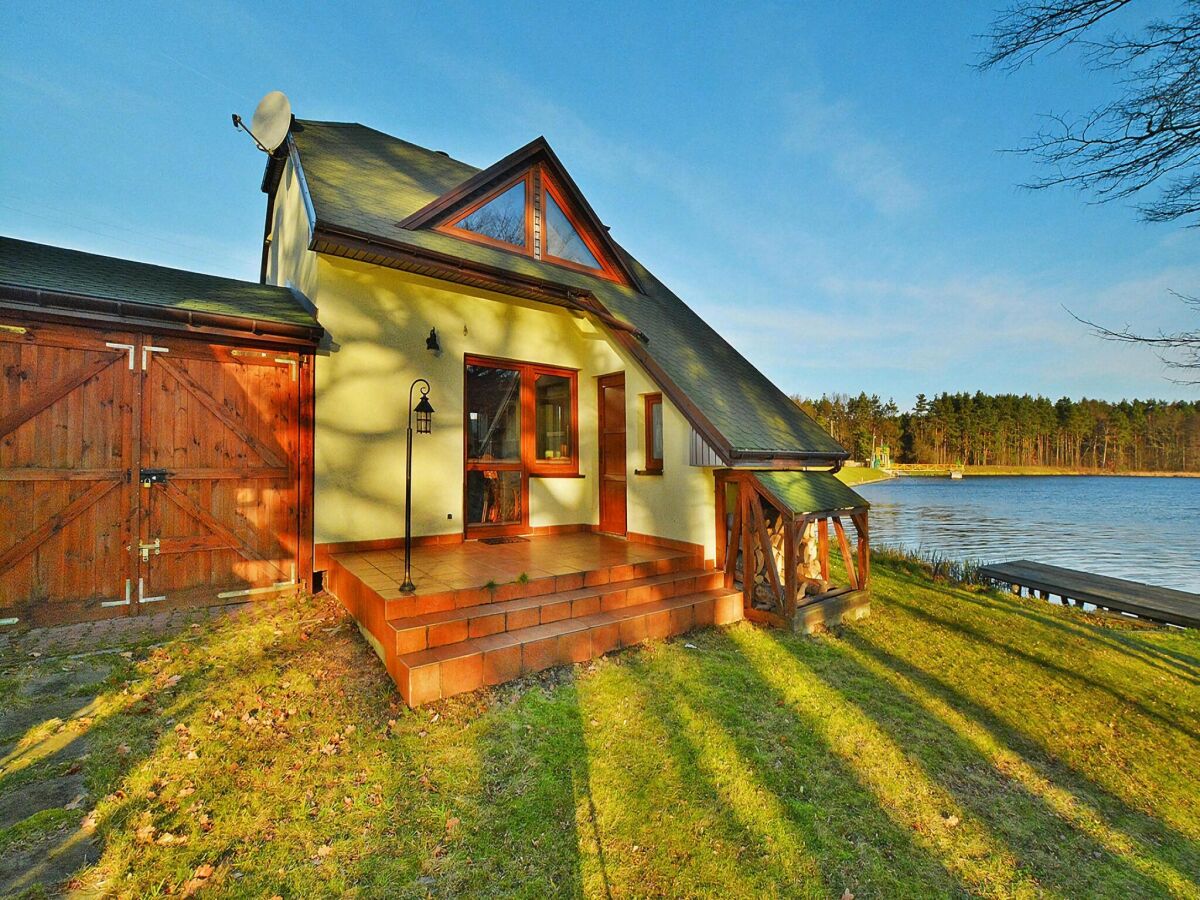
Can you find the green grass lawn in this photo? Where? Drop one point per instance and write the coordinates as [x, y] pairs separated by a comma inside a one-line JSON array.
[[956, 742], [943, 471], [853, 475]]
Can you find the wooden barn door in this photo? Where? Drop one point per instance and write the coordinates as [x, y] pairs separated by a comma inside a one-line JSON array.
[[142, 471], [218, 479], [67, 504]]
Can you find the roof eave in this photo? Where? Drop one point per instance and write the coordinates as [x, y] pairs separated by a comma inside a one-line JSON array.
[[25, 299]]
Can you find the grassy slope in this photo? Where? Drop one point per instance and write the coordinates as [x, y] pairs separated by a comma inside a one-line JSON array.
[[942, 471], [861, 475], [955, 741]]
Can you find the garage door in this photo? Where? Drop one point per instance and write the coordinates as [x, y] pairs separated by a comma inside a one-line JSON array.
[[142, 471]]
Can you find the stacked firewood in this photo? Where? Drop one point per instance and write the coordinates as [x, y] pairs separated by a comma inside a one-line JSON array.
[[808, 564]]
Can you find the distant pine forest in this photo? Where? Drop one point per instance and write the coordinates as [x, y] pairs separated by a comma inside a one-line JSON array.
[[1009, 430]]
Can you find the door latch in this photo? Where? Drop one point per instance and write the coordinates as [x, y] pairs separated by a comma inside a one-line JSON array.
[[153, 476], [146, 548]]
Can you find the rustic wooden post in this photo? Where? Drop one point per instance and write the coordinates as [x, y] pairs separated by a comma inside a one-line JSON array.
[[764, 541], [719, 482], [790, 565], [744, 491], [734, 540], [844, 546], [823, 547], [862, 526]]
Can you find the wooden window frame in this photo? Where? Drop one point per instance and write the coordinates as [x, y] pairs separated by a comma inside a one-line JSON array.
[[529, 463], [654, 465], [548, 187], [451, 227], [538, 185]]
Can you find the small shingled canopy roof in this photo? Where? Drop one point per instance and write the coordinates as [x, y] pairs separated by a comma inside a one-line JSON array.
[[810, 493]]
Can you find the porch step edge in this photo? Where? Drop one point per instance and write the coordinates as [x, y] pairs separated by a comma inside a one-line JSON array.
[[432, 674], [449, 626]]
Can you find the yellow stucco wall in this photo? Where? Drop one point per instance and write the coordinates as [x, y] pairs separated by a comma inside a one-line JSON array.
[[378, 319]]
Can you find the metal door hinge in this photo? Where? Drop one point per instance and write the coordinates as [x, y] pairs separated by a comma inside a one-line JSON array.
[[14, 329], [147, 349], [250, 592], [128, 347], [142, 598], [146, 548], [125, 602], [13, 620]]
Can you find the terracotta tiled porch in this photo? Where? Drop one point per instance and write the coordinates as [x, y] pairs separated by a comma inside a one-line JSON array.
[[486, 613]]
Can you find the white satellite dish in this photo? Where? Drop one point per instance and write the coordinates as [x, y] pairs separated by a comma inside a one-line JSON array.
[[271, 120], [270, 123]]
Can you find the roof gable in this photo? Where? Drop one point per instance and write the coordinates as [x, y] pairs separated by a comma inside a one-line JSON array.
[[561, 225], [363, 184]]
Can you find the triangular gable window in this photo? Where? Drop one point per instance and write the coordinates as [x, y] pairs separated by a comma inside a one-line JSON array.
[[531, 215], [501, 218], [562, 240]]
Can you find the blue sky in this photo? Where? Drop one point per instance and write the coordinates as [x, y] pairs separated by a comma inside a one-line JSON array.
[[823, 183]]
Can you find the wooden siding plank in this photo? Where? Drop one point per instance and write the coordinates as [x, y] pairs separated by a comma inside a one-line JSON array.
[[197, 390], [54, 524], [59, 389]]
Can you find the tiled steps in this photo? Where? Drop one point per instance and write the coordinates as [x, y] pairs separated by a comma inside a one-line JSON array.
[[443, 643], [450, 626], [466, 665]]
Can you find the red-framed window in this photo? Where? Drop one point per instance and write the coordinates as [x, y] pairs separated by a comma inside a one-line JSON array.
[[522, 415], [530, 215], [653, 420]]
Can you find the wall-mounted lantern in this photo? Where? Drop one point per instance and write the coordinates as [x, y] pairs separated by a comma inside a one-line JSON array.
[[431, 342]]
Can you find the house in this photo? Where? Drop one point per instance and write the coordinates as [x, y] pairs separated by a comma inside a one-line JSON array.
[[599, 465]]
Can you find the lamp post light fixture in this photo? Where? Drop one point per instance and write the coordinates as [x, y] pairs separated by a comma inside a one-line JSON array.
[[424, 413]]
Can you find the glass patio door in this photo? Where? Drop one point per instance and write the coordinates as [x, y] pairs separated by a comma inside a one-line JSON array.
[[496, 482]]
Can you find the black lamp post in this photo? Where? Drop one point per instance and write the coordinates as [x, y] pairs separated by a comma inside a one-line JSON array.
[[424, 426]]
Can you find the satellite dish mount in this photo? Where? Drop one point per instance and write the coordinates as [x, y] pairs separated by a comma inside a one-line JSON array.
[[270, 123]]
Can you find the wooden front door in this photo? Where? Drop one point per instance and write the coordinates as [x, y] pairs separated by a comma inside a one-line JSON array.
[[137, 469], [612, 453]]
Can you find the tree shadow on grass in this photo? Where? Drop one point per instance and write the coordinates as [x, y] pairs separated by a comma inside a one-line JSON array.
[[809, 824], [1151, 836], [1091, 683], [520, 835], [1057, 852], [1169, 661]]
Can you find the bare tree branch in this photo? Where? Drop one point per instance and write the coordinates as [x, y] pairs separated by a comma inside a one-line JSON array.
[[1177, 350], [1144, 142]]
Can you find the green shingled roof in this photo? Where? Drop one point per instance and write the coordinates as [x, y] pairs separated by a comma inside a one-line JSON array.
[[810, 492], [41, 267], [365, 181]]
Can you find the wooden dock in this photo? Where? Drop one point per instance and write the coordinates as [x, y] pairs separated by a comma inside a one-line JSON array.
[[1158, 604]]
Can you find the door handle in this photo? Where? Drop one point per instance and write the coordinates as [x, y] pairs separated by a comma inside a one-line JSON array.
[[146, 548]]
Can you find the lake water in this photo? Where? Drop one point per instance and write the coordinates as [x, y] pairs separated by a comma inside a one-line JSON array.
[[1146, 529]]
